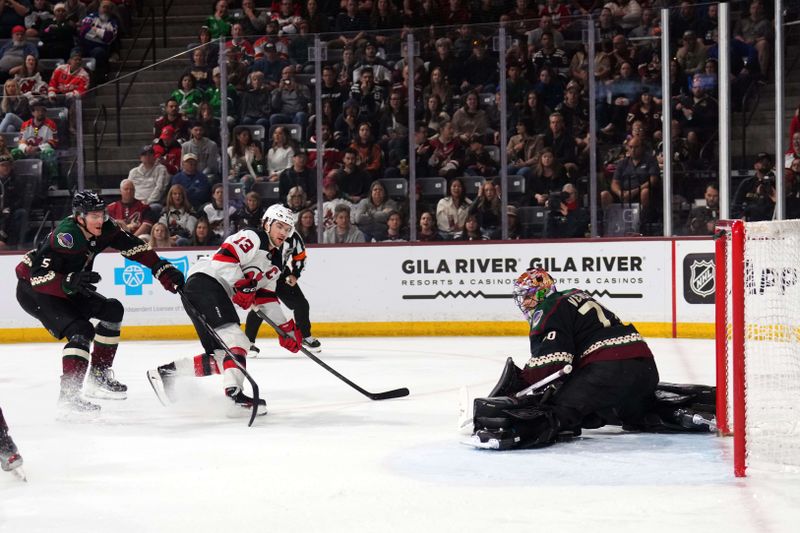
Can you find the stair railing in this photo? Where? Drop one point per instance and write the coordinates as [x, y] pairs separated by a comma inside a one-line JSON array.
[[102, 115], [752, 97]]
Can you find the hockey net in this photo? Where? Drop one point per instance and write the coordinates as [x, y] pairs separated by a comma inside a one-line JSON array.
[[758, 342]]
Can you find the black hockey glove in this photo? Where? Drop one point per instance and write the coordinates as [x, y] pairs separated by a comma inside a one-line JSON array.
[[80, 283], [169, 276]]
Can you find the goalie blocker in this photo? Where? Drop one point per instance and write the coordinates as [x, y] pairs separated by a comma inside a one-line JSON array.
[[614, 382]]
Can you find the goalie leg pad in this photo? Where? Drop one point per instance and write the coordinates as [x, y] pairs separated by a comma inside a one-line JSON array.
[[510, 380], [515, 424]]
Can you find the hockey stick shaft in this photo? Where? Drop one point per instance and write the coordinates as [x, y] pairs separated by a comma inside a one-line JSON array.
[[395, 393], [211, 331], [544, 381]]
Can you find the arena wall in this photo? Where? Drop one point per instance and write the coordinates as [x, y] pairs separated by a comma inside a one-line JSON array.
[[664, 286]]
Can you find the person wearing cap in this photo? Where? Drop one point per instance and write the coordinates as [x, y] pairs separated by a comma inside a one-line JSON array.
[[97, 35], [566, 219], [206, 150], [755, 197], [691, 56], [271, 65], [480, 70], [195, 182], [13, 216], [131, 214], [57, 34], [38, 138], [150, 179], [168, 149], [219, 24], [68, 80], [13, 53], [214, 96], [381, 71]]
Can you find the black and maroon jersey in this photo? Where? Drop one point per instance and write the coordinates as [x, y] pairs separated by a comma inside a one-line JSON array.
[[67, 249], [572, 328]]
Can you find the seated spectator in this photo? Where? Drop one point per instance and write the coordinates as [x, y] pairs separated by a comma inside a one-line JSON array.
[[487, 208], [535, 110], [392, 132], [698, 116], [39, 16], [607, 27], [214, 97], [342, 231], [368, 96], [203, 236], [237, 69], [472, 230], [703, 218], [434, 114], [12, 14], [478, 161], [296, 201], [4, 148], [299, 175], [168, 150], [76, 10], [439, 87], [243, 48], [755, 197], [792, 154], [380, 70], [517, 88], [471, 120], [550, 56], [253, 22], [371, 213], [514, 228], [279, 155], [546, 176], [38, 139], [200, 70], [214, 212], [178, 216], [369, 154], [131, 214], [150, 179], [549, 88], [194, 182], [560, 142], [187, 95], [647, 110], [210, 124], [452, 210], [290, 101], [446, 152], [13, 216], [566, 219], [523, 149], [14, 108], [756, 31], [206, 151], [159, 236], [353, 181], [250, 214], [691, 55], [97, 35], [346, 125], [634, 179], [219, 24], [29, 79], [329, 146], [254, 105], [480, 70], [271, 65], [394, 230], [58, 34], [246, 159], [68, 82], [445, 60], [426, 229], [332, 197], [172, 117], [306, 226], [545, 25], [351, 26], [14, 52]]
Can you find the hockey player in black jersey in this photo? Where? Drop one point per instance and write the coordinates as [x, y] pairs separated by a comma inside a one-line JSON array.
[[57, 286], [290, 294], [607, 375]]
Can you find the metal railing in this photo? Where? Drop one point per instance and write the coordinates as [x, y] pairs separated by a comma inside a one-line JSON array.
[[102, 114]]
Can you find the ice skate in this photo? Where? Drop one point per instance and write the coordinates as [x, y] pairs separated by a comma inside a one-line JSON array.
[[254, 352], [312, 344], [100, 384], [241, 404], [10, 459], [492, 440], [71, 406], [163, 382]]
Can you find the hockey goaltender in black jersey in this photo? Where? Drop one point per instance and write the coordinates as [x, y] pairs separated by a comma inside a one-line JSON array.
[[58, 287], [600, 371]]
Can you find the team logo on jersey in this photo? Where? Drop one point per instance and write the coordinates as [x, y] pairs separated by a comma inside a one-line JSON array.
[[135, 276], [65, 240], [536, 317], [699, 283]]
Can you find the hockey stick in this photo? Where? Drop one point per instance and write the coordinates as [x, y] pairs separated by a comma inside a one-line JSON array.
[[253, 385], [466, 408], [395, 393]]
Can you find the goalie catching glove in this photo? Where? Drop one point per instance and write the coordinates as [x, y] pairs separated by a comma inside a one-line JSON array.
[[244, 290], [291, 339], [169, 276]]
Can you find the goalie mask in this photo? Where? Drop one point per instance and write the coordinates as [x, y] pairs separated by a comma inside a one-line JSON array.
[[281, 213], [531, 287]]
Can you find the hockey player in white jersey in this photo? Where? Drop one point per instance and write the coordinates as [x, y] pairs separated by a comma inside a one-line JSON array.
[[243, 271]]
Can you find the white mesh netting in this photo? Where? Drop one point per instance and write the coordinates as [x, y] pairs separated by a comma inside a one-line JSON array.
[[772, 343]]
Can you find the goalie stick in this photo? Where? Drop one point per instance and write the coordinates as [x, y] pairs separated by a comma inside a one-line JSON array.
[[386, 395], [253, 385]]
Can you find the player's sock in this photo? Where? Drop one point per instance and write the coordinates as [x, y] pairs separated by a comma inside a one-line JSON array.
[[102, 383]]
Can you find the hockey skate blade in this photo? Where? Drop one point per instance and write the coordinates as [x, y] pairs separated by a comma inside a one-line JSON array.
[[66, 414], [465, 416], [99, 393], [154, 378], [19, 473], [475, 442], [238, 411]]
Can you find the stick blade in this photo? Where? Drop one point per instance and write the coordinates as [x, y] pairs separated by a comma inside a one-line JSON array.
[[389, 394]]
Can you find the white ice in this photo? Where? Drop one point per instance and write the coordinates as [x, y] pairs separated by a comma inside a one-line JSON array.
[[326, 458]]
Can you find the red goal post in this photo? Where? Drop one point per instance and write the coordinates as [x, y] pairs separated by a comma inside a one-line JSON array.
[[758, 342]]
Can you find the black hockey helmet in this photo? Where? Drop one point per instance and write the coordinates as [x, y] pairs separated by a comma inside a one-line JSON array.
[[87, 201]]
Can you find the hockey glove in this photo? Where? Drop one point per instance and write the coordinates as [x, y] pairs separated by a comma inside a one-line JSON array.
[[244, 290], [169, 276], [293, 338], [80, 283]]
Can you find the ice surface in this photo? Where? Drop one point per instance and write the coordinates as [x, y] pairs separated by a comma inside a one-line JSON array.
[[328, 459]]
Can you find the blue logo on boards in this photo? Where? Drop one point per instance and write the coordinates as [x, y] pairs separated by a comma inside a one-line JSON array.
[[135, 276]]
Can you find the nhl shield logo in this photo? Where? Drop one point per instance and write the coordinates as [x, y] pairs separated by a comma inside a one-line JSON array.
[[699, 283]]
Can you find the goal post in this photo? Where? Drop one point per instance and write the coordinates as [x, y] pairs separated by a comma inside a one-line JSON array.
[[758, 342]]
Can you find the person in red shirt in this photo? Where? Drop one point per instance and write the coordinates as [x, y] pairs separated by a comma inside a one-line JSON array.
[[131, 214], [168, 150]]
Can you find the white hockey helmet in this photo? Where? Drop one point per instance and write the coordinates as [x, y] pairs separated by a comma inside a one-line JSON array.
[[279, 212]]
